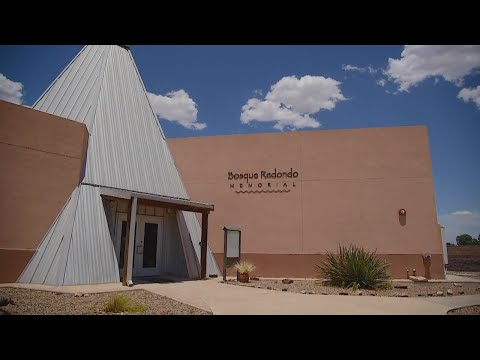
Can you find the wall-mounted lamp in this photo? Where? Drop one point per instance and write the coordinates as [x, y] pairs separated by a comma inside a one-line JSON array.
[[402, 212]]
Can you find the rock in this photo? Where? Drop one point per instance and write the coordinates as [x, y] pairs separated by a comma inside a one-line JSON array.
[[255, 279], [449, 292], [399, 286], [213, 275], [461, 292], [5, 300], [419, 295], [284, 289], [57, 293], [373, 294], [324, 293], [269, 288], [457, 284], [418, 278], [312, 292], [78, 294], [343, 293], [222, 282], [287, 281], [86, 295], [303, 291], [430, 294], [439, 293], [403, 295], [359, 292]]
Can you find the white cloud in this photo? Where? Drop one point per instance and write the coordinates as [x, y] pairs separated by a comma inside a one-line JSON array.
[[381, 82], [177, 106], [472, 95], [291, 102], [368, 69], [266, 110], [349, 67], [419, 62], [10, 90], [258, 92], [460, 222], [461, 213]]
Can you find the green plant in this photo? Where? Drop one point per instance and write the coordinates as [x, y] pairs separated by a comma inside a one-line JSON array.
[[386, 285], [354, 267], [244, 267], [122, 303]]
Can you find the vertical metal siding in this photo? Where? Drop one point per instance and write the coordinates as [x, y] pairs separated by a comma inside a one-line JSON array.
[[46, 257], [74, 93], [79, 249], [92, 255], [172, 257], [102, 88]]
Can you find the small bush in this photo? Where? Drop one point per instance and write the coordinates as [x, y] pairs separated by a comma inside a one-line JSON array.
[[386, 285], [244, 267], [122, 303], [354, 267]]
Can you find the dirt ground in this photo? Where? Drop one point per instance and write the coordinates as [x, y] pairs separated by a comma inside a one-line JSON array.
[[413, 289], [468, 310], [34, 302]]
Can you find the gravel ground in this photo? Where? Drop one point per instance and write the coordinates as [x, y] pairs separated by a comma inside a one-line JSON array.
[[468, 310], [413, 289], [34, 302]]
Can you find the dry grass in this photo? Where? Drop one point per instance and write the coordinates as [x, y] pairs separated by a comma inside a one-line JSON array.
[[123, 304]]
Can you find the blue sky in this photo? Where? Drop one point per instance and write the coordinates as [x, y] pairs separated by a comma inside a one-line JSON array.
[[216, 90]]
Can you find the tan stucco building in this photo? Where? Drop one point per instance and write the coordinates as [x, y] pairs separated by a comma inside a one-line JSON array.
[[294, 195], [300, 194], [92, 191]]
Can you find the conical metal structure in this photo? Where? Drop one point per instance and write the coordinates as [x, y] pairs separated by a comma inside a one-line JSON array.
[[102, 88]]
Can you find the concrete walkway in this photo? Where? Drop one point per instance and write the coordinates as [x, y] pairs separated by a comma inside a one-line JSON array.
[[223, 299], [458, 278]]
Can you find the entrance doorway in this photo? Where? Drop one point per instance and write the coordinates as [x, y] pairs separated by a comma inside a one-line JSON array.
[[149, 232]]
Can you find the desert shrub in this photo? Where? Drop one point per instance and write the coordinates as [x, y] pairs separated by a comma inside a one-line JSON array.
[[122, 303], [386, 285], [354, 267], [244, 267]]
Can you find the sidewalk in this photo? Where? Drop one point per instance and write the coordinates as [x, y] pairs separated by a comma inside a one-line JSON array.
[[223, 299]]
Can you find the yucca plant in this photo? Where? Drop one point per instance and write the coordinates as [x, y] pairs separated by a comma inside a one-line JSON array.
[[354, 267], [244, 267]]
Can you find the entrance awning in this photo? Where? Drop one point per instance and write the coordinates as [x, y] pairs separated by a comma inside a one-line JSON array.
[[159, 200], [167, 201]]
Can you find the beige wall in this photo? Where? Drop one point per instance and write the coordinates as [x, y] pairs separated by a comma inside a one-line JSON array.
[[41, 160], [473, 250], [350, 187]]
